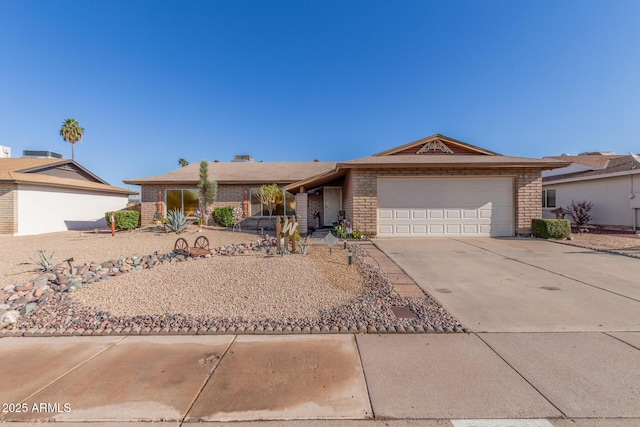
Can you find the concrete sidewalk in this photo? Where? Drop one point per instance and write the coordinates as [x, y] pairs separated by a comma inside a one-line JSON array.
[[529, 379]]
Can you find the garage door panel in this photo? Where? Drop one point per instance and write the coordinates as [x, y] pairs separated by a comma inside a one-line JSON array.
[[420, 229], [435, 213], [471, 214], [385, 213], [445, 206], [470, 229], [419, 214], [452, 214], [452, 228], [403, 229], [403, 214], [436, 229]]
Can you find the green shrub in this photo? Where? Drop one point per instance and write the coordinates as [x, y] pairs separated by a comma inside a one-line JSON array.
[[224, 216], [125, 220], [551, 228]]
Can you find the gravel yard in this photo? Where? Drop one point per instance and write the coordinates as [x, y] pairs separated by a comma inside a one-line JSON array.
[[247, 286], [132, 282], [88, 246], [624, 243]]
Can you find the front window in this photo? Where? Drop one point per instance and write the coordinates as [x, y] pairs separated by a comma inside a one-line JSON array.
[[185, 200], [548, 198], [286, 204]]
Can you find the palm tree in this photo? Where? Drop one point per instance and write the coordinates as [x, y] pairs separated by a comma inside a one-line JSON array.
[[183, 162], [72, 133]]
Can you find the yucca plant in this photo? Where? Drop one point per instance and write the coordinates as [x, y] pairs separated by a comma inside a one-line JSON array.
[[176, 221], [46, 264]]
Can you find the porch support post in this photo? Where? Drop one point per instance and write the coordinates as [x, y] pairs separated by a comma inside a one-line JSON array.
[[302, 212]]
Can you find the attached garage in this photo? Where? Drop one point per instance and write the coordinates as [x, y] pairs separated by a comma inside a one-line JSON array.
[[432, 206], [42, 195], [437, 186]]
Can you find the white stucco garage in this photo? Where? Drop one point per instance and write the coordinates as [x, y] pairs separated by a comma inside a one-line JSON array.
[[437, 206], [45, 210], [48, 195]]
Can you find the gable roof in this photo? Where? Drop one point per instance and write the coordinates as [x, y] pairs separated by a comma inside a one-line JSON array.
[[38, 172], [240, 173], [607, 166], [436, 151]]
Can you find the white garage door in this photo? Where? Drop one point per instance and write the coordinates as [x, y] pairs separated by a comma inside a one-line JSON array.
[[445, 207]]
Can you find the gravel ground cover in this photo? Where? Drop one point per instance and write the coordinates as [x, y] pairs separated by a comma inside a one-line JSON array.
[[245, 293], [614, 241], [90, 246]]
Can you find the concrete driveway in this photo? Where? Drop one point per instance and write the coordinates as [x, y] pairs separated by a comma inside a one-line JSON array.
[[523, 285]]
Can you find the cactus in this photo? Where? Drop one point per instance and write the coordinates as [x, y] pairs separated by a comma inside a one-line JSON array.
[[46, 264], [176, 221]]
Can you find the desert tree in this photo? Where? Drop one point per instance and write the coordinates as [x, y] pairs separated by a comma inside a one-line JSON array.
[[270, 196]]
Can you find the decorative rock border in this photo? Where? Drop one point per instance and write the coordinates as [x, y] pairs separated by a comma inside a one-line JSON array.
[[367, 313]]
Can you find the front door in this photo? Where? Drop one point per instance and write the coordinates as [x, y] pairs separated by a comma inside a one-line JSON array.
[[332, 204]]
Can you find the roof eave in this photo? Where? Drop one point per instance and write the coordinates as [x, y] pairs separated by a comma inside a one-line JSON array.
[[543, 166], [75, 187], [589, 177]]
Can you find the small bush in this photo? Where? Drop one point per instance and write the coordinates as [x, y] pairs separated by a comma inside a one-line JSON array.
[[125, 220], [580, 212], [224, 216], [551, 228]]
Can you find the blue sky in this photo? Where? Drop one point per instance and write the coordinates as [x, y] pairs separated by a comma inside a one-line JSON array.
[[154, 81]]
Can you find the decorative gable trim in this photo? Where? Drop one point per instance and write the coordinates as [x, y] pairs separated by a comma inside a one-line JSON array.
[[435, 145]]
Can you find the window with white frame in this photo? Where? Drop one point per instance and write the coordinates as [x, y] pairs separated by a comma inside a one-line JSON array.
[[548, 198]]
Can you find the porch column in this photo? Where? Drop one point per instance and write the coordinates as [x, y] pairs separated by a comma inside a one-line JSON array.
[[302, 212]]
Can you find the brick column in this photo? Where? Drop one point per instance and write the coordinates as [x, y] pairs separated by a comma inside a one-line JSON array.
[[302, 213]]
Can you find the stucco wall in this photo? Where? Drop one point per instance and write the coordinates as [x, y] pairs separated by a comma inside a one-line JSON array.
[[610, 198], [360, 193], [8, 209], [46, 210]]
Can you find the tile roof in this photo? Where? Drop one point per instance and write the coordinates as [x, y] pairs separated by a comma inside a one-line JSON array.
[[15, 171], [241, 172], [613, 164]]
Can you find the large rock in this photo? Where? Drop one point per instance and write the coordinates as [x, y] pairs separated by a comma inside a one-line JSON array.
[[10, 317], [27, 308], [24, 287]]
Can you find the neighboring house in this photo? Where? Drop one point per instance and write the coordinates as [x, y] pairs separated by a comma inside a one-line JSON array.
[[436, 186], [610, 181], [47, 195]]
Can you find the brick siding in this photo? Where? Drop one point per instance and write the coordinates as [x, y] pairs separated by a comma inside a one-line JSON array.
[[8, 209], [228, 195], [303, 212]]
